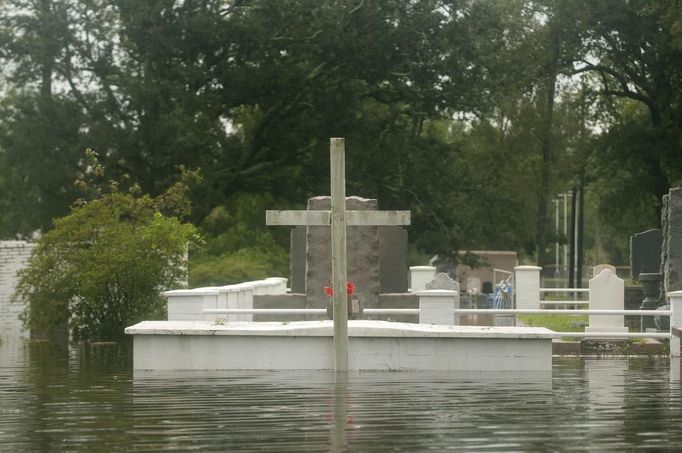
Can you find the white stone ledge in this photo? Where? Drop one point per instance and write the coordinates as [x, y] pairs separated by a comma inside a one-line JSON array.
[[191, 292], [437, 292], [360, 328]]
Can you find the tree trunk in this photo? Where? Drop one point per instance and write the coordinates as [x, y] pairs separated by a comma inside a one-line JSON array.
[[546, 146]]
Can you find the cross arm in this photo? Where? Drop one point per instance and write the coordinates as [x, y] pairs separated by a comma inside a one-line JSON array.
[[353, 218]]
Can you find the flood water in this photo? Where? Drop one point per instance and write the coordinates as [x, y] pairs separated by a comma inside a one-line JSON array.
[[88, 399]]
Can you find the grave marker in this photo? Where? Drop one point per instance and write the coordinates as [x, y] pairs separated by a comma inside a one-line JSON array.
[[377, 256], [339, 219], [443, 281], [607, 292], [645, 252], [596, 270], [671, 220]]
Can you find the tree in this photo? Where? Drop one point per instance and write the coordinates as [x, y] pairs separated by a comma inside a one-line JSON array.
[[104, 265], [636, 58], [433, 98]]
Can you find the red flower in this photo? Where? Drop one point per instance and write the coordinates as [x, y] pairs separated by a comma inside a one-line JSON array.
[[350, 289]]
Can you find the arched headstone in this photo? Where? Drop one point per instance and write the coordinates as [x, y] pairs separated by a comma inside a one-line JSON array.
[[607, 292], [596, 270]]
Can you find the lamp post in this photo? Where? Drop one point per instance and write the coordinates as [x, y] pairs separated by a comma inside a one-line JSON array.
[[565, 196], [571, 258], [556, 238]]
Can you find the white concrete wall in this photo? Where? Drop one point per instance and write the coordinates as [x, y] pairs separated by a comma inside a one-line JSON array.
[[373, 345], [188, 304], [13, 257]]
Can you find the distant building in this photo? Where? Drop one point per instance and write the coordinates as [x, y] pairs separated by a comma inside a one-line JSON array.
[[481, 278]]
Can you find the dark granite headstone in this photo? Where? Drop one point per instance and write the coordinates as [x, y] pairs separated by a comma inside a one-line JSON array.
[[633, 296], [297, 259], [645, 253], [393, 268]]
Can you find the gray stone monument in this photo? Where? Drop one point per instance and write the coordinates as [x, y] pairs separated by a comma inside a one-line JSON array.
[[307, 248], [362, 244], [596, 270], [671, 253], [443, 281], [297, 259], [645, 252], [376, 254]]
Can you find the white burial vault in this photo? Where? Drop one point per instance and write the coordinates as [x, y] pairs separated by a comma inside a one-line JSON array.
[[308, 345]]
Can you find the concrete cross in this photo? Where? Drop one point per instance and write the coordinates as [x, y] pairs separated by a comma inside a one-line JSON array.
[[338, 218]]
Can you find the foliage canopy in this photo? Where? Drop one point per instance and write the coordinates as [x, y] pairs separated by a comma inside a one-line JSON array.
[[472, 114]]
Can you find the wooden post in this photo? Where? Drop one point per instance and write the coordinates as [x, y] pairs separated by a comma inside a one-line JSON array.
[[338, 220]]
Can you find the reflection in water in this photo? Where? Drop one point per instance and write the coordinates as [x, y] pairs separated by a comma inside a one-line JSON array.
[[606, 388], [327, 411], [675, 369], [339, 414], [88, 399]]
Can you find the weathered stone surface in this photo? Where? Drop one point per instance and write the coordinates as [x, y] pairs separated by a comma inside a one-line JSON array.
[[673, 264], [282, 301], [664, 240], [443, 281], [645, 252], [364, 262], [393, 266], [397, 300], [596, 270], [297, 259], [362, 243]]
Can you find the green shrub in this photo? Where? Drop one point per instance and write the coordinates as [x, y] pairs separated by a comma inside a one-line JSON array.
[[243, 265], [103, 266], [239, 246]]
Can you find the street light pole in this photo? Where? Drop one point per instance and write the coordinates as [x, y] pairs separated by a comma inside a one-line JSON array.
[[571, 265], [565, 197], [564, 267], [556, 238]]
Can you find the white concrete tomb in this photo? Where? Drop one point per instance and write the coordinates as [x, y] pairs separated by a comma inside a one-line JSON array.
[[373, 345]]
